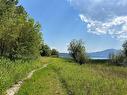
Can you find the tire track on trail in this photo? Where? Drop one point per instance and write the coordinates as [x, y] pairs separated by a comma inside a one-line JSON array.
[[15, 88]]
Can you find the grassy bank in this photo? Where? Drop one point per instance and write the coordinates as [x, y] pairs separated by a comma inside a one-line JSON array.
[[66, 77], [12, 71]]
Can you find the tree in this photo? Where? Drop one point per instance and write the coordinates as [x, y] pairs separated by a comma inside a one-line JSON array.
[[29, 41], [125, 48], [77, 51], [121, 57], [54, 52], [117, 59], [20, 35], [45, 50]]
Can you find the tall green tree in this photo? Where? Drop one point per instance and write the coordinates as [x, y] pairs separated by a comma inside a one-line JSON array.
[[20, 35]]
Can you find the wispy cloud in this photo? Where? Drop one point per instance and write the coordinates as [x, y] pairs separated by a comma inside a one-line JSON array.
[[116, 27], [103, 17]]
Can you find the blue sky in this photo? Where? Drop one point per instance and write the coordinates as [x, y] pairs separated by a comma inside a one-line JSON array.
[[101, 24]]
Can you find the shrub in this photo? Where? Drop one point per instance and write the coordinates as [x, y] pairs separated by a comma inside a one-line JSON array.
[[116, 59], [55, 53], [121, 57], [125, 48], [77, 51], [45, 50]]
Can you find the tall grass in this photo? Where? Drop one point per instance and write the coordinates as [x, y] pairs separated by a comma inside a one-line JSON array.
[[12, 71], [91, 79], [88, 79], [43, 82]]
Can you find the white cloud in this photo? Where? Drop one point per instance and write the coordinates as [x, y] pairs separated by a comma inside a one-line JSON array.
[[103, 17], [116, 27]]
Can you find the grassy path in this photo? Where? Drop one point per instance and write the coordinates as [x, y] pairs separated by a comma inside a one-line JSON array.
[[64, 77], [15, 88], [43, 82], [12, 72]]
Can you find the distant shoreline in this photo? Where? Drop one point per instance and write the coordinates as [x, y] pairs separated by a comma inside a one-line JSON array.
[[99, 58]]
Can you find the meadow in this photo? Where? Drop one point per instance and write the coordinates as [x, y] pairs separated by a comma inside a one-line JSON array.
[[13, 71], [21, 40], [65, 77]]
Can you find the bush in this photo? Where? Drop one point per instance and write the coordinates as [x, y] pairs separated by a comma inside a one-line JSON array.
[[45, 50], [54, 53], [117, 59], [121, 57], [77, 51]]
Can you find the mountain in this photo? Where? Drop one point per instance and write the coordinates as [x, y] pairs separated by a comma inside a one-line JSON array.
[[103, 54], [95, 55]]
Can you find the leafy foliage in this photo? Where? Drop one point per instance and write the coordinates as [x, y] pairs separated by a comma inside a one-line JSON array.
[[20, 35], [77, 51], [116, 59], [121, 57], [54, 52], [125, 48], [45, 50]]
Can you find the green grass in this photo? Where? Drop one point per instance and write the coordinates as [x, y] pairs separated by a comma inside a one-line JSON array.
[[44, 82], [11, 72], [66, 77]]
